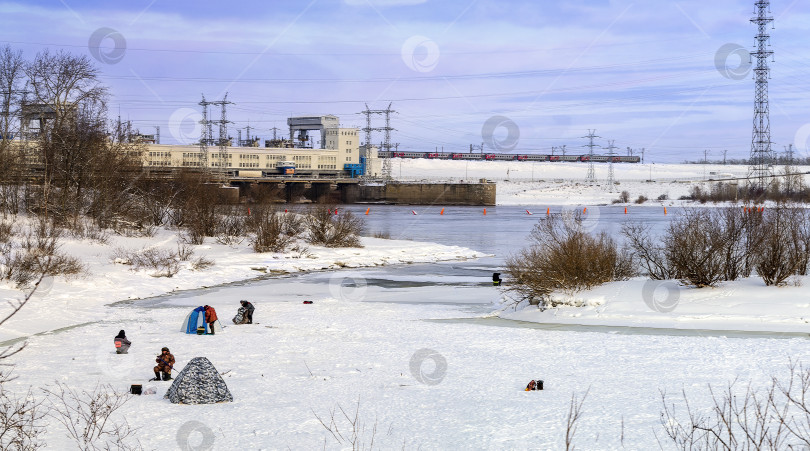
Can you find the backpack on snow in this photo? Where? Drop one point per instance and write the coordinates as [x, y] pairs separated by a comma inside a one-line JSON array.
[[240, 317]]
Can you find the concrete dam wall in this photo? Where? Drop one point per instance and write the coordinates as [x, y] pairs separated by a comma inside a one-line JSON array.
[[423, 193]]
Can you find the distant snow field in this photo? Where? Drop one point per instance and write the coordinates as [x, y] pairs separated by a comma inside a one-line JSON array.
[[546, 183]]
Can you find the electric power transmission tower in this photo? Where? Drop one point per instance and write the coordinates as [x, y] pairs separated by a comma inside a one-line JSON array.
[[789, 152], [591, 178], [563, 149], [157, 134], [611, 154], [208, 135], [223, 133], [205, 134], [386, 144], [760, 164]]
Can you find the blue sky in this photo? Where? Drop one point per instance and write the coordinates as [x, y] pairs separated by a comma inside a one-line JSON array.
[[641, 73]]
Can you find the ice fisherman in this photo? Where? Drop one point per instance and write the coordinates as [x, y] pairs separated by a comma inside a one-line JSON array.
[[121, 343], [165, 363], [210, 317], [249, 308]]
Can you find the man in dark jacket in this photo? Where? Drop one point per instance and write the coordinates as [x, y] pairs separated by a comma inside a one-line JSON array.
[[165, 363], [249, 308], [121, 343], [210, 317]]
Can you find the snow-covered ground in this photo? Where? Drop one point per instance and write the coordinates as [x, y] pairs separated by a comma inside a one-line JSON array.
[[429, 369], [65, 302], [744, 305]]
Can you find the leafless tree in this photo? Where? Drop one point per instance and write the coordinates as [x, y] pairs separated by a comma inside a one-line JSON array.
[[12, 77], [68, 86]]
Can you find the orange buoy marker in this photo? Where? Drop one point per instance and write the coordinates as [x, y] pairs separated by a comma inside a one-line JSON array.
[[625, 210], [368, 210], [548, 211], [248, 211], [665, 211], [585, 210], [528, 212], [485, 212], [413, 211], [441, 212]]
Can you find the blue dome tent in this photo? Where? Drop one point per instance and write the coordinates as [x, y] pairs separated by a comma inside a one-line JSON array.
[[195, 320]]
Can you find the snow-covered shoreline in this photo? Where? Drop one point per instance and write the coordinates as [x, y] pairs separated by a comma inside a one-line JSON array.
[[62, 302], [745, 305]]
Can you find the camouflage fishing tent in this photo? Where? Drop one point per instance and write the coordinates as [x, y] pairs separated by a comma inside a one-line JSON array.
[[199, 383]]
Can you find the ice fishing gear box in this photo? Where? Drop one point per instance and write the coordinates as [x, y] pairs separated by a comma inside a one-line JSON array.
[[135, 389], [201, 330]]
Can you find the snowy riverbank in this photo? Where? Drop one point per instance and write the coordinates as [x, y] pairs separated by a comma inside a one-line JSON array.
[[743, 305], [65, 302]]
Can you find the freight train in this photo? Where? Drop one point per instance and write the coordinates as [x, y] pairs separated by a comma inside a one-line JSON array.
[[509, 157]]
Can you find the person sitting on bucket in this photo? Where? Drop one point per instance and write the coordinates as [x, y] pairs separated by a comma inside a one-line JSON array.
[[121, 343], [249, 308], [165, 363], [210, 317]]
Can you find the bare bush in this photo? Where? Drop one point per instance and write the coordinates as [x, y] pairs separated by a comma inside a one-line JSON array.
[[348, 429], [164, 262], [85, 228], [201, 263], [624, 197], [7, 232], [200, 212], [293, 224], [641, 199], [333, 230], [566, 258], [35, 253], [775, 416], [269, 228], [382, 234], [784, 250], [700, 247], [571, 420], [20, 419], [89, 417], [231, 229]]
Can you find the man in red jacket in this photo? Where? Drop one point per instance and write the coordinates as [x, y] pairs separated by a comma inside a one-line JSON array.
[[210, 317]]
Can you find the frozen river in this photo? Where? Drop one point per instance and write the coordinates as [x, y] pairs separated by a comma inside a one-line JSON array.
[[411, 348]]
